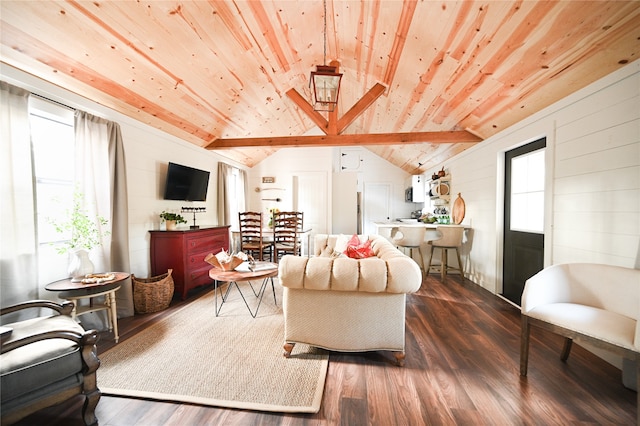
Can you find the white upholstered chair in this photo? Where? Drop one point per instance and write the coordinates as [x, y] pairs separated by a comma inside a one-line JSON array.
[[593, 304]]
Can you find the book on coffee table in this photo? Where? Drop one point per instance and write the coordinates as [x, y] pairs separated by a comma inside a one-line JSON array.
[[256, 266], [262, 266]]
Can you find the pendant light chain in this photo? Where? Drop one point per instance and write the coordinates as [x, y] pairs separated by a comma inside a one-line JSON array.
[[324, 58]]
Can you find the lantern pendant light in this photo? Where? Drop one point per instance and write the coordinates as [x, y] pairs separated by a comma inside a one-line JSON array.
[[325, 79]]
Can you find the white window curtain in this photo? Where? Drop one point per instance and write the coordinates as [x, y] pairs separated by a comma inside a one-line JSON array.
[[232, 190], [101, 178], [18, 248]]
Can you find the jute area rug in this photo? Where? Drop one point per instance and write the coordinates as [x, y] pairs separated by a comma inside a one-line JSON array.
[[232, 360]]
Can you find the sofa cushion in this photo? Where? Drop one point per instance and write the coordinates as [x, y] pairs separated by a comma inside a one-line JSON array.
[[388, 271], [595, 322], [341, 243], [41, 363], [333, 245]]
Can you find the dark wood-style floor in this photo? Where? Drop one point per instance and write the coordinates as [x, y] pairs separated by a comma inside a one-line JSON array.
[[462, 367]]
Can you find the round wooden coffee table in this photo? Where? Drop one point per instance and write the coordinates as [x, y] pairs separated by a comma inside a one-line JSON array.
[[235, 277]]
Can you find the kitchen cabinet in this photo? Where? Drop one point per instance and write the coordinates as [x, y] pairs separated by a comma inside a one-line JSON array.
[[184, 252]]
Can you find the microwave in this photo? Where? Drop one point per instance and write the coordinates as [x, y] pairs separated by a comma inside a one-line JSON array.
[[408, 195]]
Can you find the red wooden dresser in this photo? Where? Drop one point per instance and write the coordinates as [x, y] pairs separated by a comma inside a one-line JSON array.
[[184, 252]]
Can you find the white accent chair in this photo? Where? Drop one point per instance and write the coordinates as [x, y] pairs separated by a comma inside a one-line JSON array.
[[589, 303]]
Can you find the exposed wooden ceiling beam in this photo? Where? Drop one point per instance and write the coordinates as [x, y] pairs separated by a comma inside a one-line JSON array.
[[334, 126], [332, 115], [365, 102], [460, 136], [307, 108]]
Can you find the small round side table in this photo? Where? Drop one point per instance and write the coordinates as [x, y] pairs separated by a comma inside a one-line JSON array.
[[74, 291]]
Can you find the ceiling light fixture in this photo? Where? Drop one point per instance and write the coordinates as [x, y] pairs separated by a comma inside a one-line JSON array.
[[325, 79]]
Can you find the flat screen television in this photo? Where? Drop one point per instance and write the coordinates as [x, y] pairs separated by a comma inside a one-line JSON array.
[[186, 183]]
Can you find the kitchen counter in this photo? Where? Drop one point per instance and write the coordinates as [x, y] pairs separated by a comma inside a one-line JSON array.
[[384, 228], [396, 223]]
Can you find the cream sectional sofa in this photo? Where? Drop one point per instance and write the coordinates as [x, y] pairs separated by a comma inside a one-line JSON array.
[[344, 304], [592, 303]]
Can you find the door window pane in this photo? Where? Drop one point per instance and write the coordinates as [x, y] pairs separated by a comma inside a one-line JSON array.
[[527, 192]]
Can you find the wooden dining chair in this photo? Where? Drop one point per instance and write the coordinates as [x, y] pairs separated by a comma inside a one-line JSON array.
[[251, 239], [299, 218], [286, 228]]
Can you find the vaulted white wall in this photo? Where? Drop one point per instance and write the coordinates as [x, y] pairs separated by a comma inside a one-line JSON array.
[[289, 162]]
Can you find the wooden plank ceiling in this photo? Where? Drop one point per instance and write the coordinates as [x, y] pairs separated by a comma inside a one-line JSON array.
[[433, 77]]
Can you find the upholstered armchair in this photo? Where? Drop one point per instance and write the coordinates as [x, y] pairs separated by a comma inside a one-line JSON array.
[[588, 303], [46, 360]]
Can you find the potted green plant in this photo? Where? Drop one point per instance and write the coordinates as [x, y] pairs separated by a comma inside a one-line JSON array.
[[172, 219], [86, 233]]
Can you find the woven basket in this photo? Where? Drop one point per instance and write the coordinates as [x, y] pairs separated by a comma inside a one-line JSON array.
[[152, 294]]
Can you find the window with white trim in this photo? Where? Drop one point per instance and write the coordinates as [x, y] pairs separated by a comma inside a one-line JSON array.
[[52, 141]]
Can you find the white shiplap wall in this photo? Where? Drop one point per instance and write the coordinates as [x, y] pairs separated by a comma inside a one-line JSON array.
[[592, 210], [596, 213]]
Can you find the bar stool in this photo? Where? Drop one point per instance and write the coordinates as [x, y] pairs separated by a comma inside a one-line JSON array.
[[451, 239], [410, 237]]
